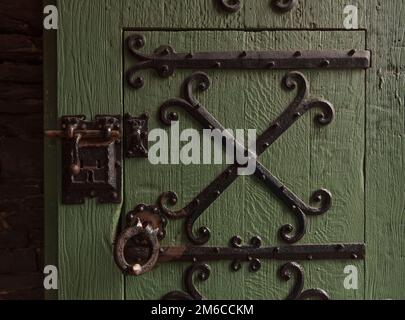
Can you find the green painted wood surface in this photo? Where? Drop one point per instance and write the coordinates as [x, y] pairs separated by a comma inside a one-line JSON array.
[[306, 158], [89, 83], [385, 175], [89, 79]]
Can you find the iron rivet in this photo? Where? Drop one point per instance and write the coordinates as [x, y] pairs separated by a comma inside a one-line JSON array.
[[264, 177], [202, 86], [340, 247], [325, 63], [271, 64], [250, 258], [217, 65], [189, 56], [354, 256], [162, 250], [92, 193], [114, 195], [243, 54], [194, 259], [266, 145], [165, 51], [297, 115], [141, 208], [137, 83], [164, 69], [197, 201], [276, 250], [155, 210], [310, 257], [217, 250], [217, 193], [161, 234], [352, 52], [297, 54], [117, 164], [294, 207]]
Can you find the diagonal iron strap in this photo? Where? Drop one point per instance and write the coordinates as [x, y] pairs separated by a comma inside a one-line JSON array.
[[298, 107], [165, 60]]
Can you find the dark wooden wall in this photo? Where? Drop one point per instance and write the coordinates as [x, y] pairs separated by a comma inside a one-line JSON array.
[[21, 159]]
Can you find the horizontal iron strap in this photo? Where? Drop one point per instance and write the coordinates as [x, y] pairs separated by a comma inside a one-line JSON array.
[[343, 59], [284, 253]]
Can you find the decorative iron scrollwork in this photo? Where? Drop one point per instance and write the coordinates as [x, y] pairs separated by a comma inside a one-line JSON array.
[[203, 270], [144, 226], [300, 105], [254, 263], [290, 269], [284, 5], [165, 60], [233, 6], [287, 271]]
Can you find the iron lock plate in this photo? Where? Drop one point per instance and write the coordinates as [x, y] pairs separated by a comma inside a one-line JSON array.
[[91, 158], [92, 155]]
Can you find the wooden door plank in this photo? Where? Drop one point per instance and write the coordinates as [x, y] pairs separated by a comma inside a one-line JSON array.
[[385, 152], [89, 83], [250, 100]]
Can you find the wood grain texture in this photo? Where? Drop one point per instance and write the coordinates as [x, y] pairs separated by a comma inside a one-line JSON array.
[[306, 158], [206, 14], [385, 206], [89, 83]]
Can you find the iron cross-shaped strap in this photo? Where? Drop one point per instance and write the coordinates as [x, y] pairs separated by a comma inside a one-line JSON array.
[[301, 104]]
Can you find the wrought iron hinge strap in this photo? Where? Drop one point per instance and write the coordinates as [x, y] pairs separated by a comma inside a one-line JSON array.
[[145, 253], [248, 253], [165, 60]]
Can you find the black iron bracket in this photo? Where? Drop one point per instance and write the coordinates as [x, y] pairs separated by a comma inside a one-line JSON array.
[[282, 6], [141, 255], [165, 60], [136, 136], [91, 158], [301, 104]]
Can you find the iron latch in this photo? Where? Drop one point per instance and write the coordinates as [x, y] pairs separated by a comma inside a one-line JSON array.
[[92, 154], [91, 158]]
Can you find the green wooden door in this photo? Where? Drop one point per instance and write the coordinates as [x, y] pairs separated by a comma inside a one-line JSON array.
[[92, 61]]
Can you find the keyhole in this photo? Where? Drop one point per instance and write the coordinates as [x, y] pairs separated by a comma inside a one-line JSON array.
[[90, 177]]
